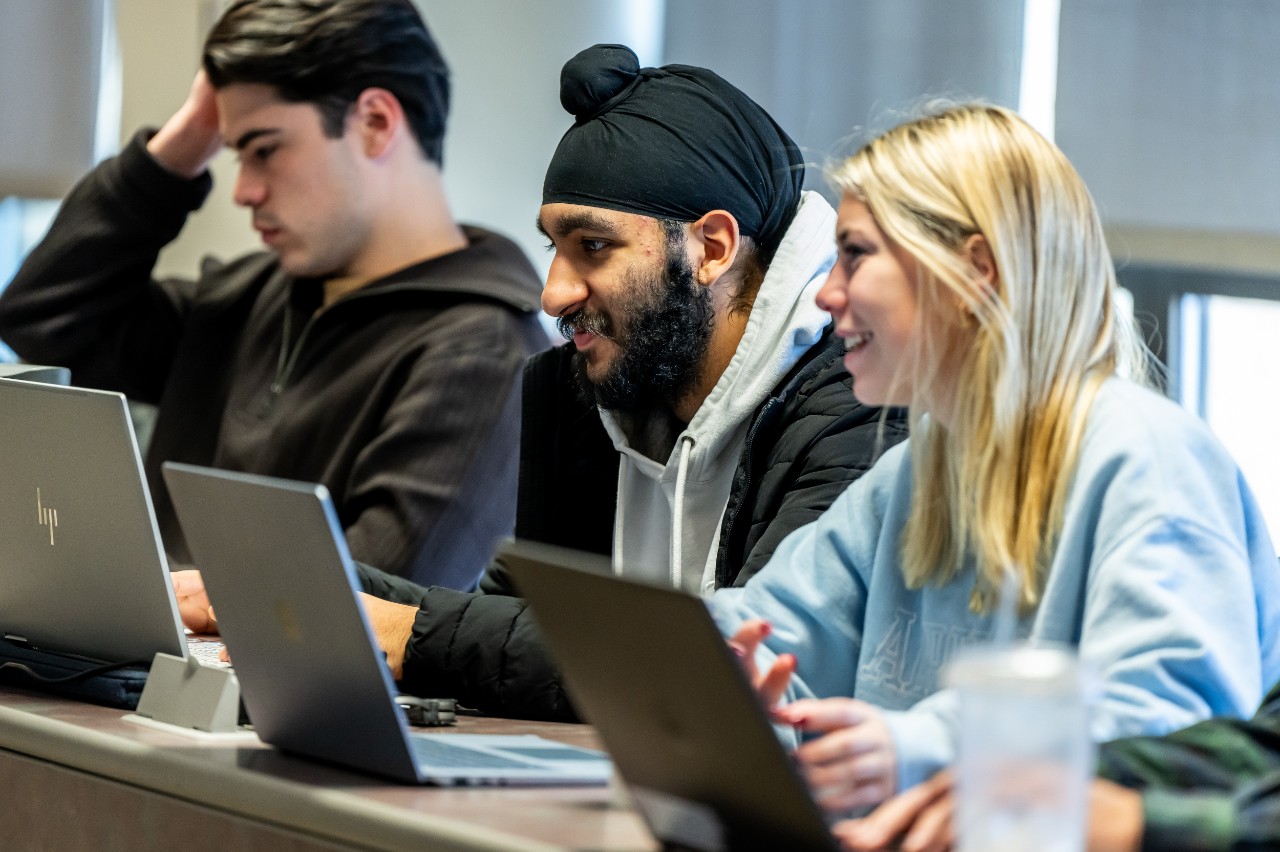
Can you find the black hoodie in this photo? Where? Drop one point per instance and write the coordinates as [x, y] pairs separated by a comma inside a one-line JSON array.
[[402, 397]]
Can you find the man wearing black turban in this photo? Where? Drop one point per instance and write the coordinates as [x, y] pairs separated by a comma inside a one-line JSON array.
[[700, 411]]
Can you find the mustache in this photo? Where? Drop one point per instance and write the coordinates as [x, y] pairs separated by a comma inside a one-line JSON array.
[[592, 322]]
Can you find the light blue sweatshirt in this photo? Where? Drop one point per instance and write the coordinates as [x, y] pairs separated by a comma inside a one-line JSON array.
[[1164, 576]]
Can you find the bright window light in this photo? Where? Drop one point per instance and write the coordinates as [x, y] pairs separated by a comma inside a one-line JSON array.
[[1234, 342], [1038, 83]]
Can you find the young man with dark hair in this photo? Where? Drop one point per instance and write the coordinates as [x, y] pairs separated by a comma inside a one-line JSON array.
[[375, 347], [283, 43], [700, 411]]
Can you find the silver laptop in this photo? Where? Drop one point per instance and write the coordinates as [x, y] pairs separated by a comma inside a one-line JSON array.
[[82, 570], [671, 703], [311, 675]]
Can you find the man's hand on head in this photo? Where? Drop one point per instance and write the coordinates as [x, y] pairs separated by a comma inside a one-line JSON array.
[[193, 602], [392, 625], [189, 140]]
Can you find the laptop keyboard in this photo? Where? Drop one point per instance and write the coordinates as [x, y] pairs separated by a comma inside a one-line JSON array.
[[435, 752], [206, 652]]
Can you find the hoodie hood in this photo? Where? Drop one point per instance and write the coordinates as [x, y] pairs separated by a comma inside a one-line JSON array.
[[669, 511]]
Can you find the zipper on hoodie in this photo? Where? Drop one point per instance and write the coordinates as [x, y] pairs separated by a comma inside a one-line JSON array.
[[284, 363], [289, 355]]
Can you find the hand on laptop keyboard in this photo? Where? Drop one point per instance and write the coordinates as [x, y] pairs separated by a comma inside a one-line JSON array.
[[193, 602], [392, 625]]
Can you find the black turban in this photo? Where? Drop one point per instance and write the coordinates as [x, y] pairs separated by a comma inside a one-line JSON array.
[[674, 143]]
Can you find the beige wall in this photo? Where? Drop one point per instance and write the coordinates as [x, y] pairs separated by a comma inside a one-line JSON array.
[[160, 50], [506, 119]]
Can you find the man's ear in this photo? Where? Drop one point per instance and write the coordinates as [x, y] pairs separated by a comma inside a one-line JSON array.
[[378, 119], [977, 251], [714, 241]]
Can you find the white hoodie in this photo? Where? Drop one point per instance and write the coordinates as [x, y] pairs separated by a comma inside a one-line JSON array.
[[667, 527]]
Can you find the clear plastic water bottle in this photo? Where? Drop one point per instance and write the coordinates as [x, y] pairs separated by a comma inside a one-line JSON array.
[[1025, 755]]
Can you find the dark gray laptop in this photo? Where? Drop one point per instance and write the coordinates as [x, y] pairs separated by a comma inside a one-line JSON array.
[[82, 570], [312, 678], [649, 669]]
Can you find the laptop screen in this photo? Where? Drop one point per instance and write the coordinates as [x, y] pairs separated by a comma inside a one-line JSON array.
[[647, 667], [82, 569]]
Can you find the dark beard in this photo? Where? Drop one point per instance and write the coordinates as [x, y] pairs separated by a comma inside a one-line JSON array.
[[668, 319]]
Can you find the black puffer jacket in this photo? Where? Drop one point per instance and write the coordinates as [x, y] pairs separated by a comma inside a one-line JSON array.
[[806, 443]]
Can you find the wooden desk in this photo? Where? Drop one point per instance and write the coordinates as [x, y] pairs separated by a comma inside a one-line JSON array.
[[77, 776]]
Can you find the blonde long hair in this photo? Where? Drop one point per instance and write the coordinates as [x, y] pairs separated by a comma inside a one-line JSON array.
[[1033, 346]]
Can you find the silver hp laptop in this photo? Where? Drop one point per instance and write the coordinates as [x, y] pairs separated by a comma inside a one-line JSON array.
[[649, 669], [311, 675], [82, 570]]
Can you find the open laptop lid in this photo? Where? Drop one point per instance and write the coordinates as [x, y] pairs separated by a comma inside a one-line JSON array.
[[82, 569], [312, 677], [649, 669]]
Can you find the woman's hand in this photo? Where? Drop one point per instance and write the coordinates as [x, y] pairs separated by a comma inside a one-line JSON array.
[[771, 685], [854, 763], [921, 819]]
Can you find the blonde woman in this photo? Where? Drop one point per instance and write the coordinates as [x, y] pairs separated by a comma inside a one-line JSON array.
[[973, 284]]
